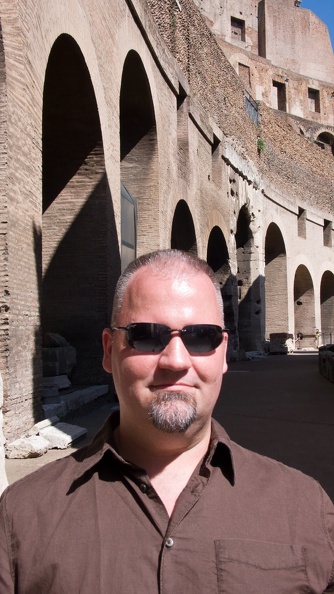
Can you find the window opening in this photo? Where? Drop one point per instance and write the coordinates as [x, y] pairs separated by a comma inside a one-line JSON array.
[[314, 100], [301, 222], [238, 29], [279, 95], [328, 233]]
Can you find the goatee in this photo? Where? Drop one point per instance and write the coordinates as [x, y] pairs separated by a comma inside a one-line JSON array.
[[173, 412]]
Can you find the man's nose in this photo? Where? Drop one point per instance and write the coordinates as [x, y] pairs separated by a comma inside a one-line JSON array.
[[175, 355]]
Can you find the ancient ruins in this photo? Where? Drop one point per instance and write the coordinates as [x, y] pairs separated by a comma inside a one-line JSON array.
[[131, 125]]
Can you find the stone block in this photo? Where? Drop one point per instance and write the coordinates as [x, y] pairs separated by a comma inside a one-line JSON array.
[[60, 436], [59, 382], [281, 342], [58, 360], [50, 396], [42, 424], [73, 400], [50, 410], [28, 447], [52, 339]]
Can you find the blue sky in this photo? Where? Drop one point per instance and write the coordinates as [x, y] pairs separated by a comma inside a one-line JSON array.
[[324, 9]]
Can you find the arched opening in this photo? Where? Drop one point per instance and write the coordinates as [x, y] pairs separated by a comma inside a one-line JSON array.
[[139, 150], [79, 246], [326, 141], [183, 230], [304, 306], [276, 291], [327, 307], [248, 338], [218, 259]]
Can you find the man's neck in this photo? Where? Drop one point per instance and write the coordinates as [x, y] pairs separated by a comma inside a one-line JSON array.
[[168, 459]]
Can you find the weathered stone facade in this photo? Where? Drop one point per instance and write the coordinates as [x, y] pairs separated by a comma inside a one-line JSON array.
[[3, 478], [138, 92]]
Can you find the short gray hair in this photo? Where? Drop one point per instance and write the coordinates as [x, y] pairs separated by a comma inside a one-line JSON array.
[[163, 262]]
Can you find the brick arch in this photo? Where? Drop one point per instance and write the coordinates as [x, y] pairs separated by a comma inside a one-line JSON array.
[[219, 260], [304, 307], [326, 139], [327, 306], [276, 289], [246, 291], [79, 242], [139, 149], [216, 219], [183, 236]]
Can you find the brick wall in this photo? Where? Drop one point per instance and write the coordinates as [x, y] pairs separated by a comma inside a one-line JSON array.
[[300, 169]]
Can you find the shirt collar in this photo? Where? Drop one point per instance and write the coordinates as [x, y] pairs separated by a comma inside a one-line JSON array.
[[219, 452]]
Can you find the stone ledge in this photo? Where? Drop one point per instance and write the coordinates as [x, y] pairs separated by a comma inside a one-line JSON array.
[[27, 447], [50, 436], [61, 436], [74, 400]]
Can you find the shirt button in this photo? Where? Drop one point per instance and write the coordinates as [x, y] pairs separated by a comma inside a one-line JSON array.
[[143, 488], [169, 542]]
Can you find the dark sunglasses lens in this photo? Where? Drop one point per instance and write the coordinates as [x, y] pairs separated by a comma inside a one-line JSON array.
[[153, 338], [202, 338], [146, 337]]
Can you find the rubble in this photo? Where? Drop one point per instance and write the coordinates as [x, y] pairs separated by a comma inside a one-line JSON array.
[[27, 447], [43, 436]]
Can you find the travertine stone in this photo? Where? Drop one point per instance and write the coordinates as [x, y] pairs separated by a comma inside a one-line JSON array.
[[62, 435], [3, 477], [28, 447]]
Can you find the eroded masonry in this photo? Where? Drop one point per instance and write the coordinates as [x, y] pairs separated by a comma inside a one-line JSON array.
[[132, 125]]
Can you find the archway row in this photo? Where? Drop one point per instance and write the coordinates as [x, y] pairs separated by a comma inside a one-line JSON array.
[[80, 253]]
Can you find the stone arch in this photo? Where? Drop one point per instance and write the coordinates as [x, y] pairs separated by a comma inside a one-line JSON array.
[[276, 282], [139, 150], [244, 245], [327, 306], [183, 235], [304, 305], [218, 259], [79, 243]]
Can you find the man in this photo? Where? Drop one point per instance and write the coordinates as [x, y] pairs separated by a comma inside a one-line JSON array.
[[162, 501]]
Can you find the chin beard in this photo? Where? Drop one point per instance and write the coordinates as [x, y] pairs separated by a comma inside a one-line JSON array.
[[173, 412]]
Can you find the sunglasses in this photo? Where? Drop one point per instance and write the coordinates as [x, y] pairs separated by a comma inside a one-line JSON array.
[[152, 338]]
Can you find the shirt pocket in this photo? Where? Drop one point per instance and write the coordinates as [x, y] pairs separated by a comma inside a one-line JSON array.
[[255, 567]]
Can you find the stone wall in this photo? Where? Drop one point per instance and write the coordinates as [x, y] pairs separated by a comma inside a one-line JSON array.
[[289, 161], [282, 54], [3, 478], [162, 111]]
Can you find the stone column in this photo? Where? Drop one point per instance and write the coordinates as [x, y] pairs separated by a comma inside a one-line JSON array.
[[3, 477]]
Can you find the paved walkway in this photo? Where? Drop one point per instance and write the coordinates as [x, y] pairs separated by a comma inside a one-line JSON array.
[[279, 406], [283, 408]]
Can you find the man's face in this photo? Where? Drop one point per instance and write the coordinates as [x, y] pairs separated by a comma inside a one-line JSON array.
[[172, 389]]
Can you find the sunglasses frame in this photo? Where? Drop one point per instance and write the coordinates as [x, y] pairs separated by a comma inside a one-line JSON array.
[[163, 336]]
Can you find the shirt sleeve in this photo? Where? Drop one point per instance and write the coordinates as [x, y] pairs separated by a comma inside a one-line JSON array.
[[6, 579], [328, 516]]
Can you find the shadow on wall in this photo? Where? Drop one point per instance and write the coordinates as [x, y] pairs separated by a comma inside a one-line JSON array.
[[244, 315], [37, 355], [79, 281]]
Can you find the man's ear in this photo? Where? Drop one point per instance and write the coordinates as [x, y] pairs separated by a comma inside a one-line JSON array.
[[107, 337]]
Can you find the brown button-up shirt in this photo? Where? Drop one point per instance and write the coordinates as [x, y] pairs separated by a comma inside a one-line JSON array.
[[91, 523]]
